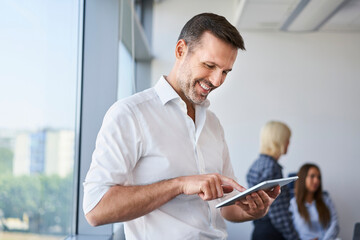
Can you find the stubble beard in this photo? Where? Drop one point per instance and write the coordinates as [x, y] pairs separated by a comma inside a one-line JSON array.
[[187, 85]]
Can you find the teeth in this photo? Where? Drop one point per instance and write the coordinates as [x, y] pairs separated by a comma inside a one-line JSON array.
[[204, 86]]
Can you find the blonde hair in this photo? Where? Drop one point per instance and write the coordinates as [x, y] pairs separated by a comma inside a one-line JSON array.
[[274, 138]]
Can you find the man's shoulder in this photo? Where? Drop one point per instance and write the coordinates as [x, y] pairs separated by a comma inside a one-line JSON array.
[[210, 114], [139, 98], [132, 103], [144, 97]]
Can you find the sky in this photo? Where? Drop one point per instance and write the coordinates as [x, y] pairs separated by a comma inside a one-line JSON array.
[[38, 63]]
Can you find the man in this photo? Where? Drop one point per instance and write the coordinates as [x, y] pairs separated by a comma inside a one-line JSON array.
[[161, 162]]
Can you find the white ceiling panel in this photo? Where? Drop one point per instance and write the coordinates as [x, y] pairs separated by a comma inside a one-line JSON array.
[[346, 19], [315, 14], [298, 15], [265, 14]]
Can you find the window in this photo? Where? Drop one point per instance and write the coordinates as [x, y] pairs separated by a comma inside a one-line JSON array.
[[134, 50], [126, 73], [39, 48], [41, 68]]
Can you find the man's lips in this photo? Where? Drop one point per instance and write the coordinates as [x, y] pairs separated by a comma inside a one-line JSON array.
[[205, 88]]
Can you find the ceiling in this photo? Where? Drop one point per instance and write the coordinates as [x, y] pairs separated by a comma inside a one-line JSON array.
[[298, 15]]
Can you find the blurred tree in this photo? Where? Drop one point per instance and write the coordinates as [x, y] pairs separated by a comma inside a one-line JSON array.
[[18, 195], [47, 200], [6, 160], [56, 203]]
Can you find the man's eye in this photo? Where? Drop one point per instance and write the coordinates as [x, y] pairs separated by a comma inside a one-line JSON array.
[[209, 66]]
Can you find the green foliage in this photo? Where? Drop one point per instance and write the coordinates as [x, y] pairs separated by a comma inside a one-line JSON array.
[[6, 156], [47, 200]]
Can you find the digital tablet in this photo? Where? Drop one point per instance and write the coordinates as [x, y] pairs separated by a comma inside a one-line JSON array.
[[261, 186]]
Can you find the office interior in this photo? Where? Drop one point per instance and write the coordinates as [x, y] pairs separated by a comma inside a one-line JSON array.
[[308, 79], [301, 66]]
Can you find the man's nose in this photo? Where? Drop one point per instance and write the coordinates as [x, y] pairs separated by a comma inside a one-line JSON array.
[[217, 78]]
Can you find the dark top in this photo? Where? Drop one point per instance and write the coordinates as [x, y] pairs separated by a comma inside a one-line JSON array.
[[267, 168]]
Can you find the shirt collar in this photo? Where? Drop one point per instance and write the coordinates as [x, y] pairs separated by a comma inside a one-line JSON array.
[[166, 93], [164, 90]]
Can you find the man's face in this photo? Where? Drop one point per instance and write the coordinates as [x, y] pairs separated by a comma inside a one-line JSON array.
[[205, 68]]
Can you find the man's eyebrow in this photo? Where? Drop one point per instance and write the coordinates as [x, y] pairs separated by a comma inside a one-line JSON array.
[[212, 63]]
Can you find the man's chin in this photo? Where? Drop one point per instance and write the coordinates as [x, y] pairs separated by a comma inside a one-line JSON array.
[[199, 100]]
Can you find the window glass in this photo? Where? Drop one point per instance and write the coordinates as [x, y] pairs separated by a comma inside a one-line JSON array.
[[126, 76], [126, 73], [38, 85]]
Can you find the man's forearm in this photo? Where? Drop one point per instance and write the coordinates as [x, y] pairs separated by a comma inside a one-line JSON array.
[[124, 203]]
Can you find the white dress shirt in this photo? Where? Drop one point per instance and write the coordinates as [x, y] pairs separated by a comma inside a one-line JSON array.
[[149, 137]]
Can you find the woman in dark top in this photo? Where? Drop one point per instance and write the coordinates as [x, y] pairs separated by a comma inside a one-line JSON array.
[[277, 224]]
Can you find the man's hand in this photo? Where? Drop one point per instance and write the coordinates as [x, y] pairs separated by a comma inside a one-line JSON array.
[[254, 206], [208, 186], [257, 204]]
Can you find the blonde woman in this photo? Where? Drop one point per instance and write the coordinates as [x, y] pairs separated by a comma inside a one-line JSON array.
[[277, 224]]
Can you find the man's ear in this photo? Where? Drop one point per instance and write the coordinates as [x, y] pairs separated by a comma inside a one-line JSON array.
[[180, 49]]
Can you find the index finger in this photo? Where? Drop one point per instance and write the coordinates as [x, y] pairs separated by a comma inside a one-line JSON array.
[[232, 182]]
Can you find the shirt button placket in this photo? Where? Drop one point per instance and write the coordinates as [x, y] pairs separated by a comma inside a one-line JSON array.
[[200, 159]]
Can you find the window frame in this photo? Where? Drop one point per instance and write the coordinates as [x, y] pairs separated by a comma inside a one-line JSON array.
[[99, 76], [97, 91]]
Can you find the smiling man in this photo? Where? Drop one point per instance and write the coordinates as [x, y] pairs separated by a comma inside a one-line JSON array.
[[201, 68], [161, 162]]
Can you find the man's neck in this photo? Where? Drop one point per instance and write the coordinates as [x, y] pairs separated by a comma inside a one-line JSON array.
[[191, 111], [189, 105]]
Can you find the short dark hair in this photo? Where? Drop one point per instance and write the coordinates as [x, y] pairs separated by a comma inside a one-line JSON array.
[[215, 24]]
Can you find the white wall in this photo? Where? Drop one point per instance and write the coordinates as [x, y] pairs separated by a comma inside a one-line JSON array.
[[310, 81]]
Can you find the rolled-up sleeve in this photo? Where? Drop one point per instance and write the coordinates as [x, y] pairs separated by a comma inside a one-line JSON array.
[[118, 148]]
